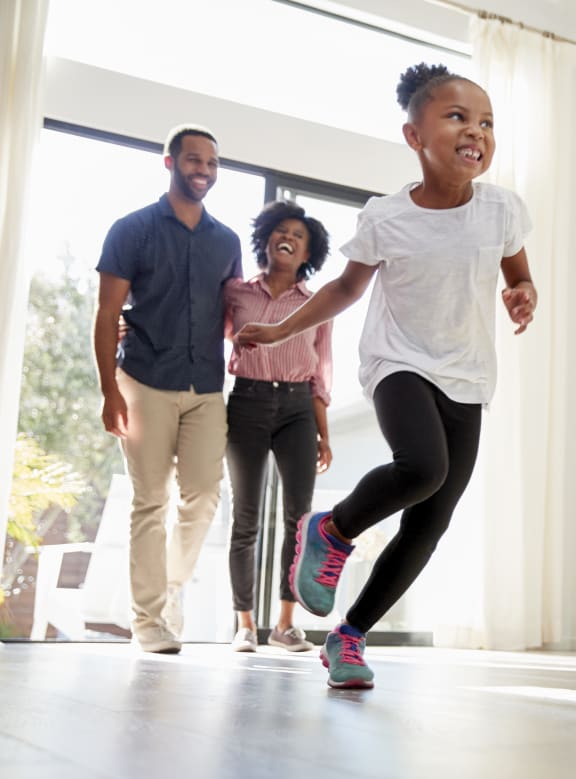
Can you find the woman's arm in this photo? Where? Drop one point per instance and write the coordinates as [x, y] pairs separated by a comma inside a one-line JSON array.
[[324, 451], [321, 385]]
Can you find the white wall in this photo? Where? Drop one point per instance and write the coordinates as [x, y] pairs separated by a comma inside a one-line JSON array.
[[113, 102], [434, 22]]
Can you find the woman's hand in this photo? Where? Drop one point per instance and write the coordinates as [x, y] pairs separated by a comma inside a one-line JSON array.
[[123, 328], [324, 455]]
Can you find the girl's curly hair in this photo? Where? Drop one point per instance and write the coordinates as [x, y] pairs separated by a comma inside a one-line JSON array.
[[417, 84], [274, 213]]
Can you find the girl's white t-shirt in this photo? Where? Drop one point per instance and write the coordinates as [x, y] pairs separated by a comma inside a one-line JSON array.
[[432, 309]]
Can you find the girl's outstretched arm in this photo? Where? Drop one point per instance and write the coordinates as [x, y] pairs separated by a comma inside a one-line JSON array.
[[330, 300], [520, 296]]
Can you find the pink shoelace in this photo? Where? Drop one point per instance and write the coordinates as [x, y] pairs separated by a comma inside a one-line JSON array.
[[350, 650], [330, 571]]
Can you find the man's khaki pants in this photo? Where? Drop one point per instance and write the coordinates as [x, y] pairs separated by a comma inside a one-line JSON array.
[[181, 433]]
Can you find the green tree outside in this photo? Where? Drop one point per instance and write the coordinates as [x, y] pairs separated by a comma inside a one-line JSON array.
[[60, 400], [64, 460]]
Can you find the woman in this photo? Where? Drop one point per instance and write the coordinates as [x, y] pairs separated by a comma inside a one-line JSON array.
[[278, 404]]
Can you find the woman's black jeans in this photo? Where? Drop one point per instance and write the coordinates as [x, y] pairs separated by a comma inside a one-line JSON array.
[[266, 416]]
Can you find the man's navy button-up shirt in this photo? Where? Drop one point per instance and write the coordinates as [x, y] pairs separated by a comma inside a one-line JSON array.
[[176, 313]]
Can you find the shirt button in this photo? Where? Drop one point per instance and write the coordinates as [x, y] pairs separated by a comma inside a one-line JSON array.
[[275, 384]]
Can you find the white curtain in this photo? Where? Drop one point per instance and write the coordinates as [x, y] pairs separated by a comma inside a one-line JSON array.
[[22, 27], [526, 541]]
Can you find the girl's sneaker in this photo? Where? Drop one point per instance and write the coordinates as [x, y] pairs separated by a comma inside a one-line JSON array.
[[342, 654], [317, 565]]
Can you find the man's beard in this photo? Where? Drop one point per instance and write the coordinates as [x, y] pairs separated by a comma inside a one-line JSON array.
[[185, 188]]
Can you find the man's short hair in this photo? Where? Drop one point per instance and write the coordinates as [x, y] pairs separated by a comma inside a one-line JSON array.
[[173, 143]]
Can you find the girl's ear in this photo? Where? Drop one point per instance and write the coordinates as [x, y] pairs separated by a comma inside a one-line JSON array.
[[411, 135]]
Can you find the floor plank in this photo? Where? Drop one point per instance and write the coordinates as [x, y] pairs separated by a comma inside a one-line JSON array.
[[107, 711]]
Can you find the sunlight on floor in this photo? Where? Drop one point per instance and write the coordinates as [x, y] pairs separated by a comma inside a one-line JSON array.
[[540, 693]]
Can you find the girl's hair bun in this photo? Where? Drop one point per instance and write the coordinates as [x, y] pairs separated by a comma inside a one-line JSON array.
[[417, 77]]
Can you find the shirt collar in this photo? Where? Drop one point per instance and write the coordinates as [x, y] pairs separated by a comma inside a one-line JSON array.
[[300, 286], [166, 210]]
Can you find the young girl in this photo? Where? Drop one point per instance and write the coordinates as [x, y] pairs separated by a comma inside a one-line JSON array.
[[427, 350], [278, 405]]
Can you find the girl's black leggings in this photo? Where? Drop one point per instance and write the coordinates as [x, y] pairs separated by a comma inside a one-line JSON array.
[[434, 443]]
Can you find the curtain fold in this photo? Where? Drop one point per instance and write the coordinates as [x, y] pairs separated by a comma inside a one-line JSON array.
[[22, 29], [528, 458]]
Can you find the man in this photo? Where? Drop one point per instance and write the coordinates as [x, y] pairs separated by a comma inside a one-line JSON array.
[[163, 268]]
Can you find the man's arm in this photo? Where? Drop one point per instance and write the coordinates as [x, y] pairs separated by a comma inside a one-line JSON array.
[[112, 294]]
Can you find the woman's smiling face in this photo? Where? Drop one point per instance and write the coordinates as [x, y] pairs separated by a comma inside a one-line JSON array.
[[288, 245]]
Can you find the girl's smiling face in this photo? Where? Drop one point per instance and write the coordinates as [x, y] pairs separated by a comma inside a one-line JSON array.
[[454, 132]]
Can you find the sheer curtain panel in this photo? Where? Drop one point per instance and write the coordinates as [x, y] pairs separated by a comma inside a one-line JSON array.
[[22, 26], [528, 527]]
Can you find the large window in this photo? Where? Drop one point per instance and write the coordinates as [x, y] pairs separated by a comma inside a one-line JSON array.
[[77, 587]]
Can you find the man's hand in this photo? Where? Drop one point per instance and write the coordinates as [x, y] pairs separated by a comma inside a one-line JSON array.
[[115, 413]]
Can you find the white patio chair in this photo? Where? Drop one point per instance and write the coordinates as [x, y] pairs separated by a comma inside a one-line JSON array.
[[104, 596]]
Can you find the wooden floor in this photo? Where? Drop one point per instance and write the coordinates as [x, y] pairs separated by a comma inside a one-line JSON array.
[[95, 711]]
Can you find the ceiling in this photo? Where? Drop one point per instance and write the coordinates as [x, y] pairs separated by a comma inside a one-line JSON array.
[[447, 19]]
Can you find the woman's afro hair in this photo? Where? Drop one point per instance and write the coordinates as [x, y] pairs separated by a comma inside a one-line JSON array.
[[274, 213]]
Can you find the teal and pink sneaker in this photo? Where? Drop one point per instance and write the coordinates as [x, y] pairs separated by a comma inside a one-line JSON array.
[[317, 565], [342, 654]]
